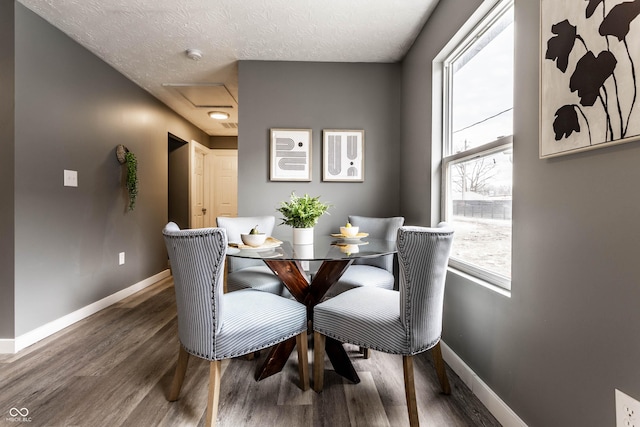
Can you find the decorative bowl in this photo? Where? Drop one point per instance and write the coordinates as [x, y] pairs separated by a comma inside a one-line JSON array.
[[253, 239], [349, 231]]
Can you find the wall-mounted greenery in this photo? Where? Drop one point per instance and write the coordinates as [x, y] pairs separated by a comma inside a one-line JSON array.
[[127, 157], [132, 178]]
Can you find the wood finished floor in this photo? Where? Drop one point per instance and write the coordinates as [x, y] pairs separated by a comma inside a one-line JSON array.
[[114, 369]]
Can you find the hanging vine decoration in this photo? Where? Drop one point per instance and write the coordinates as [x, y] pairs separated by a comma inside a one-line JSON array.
[[132, 178], [127, 157]]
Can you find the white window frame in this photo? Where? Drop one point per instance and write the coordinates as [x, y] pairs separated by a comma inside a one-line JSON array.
[[449, 159]]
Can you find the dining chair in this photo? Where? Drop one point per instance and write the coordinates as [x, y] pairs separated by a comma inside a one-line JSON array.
[[405, 322], [214, 325], [243, 273], [376, 272]]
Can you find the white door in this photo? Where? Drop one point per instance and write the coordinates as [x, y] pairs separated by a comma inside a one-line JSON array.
[[225, 183], [200, 187]]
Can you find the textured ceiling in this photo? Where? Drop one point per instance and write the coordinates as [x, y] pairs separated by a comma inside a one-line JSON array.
[[146, 40]]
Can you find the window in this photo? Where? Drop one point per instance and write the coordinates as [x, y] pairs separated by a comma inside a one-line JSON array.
[[478, 145]]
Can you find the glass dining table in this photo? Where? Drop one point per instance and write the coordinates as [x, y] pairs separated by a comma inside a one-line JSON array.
[[289, 262]]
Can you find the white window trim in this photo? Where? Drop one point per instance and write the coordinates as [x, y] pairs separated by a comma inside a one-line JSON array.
[[474, 29]]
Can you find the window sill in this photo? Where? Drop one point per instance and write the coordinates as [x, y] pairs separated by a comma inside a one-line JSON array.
[[478, 281]]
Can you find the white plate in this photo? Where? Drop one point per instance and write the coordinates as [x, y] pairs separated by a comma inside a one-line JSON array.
[[356, 237], [269, 243], [347, 243]]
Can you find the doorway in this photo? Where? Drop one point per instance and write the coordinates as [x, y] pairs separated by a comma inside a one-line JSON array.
[[225, 182], [178, 185], [203, 183], [201, 187]]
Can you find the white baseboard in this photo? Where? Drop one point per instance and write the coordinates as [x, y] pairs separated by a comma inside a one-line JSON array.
[[13, 346], [7, 346], [489, 399]]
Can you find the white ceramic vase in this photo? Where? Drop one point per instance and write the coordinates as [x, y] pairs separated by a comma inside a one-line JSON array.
[[303, 236]]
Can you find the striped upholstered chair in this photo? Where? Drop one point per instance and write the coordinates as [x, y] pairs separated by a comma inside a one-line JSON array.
[[250, 273], [407, 322], [376, 272], [213, 325]]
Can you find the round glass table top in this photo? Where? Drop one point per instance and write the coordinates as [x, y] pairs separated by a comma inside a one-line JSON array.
[[324, 248]]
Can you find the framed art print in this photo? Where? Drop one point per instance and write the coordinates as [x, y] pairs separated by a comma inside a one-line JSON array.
[[343, 155], [290, 158], [589, 84]]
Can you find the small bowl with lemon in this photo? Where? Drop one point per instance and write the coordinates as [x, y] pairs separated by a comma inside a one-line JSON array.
[[349, 231], [254, 238]]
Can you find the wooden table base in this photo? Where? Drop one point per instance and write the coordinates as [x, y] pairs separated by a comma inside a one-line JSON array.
[[294, 278]]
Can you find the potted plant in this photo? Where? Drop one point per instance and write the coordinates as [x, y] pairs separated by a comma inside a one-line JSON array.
[[302, 213]]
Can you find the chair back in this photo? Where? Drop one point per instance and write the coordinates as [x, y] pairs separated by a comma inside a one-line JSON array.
[[378, 228], [423, 255], [235, 226], [197, 260]]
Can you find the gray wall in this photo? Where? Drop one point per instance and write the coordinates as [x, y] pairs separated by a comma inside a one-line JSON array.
[[320, 96], [71, 111], [555, 350], [7, 144]]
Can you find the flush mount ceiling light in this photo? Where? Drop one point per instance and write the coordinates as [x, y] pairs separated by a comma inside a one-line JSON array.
[[195, 54], [218, 115]]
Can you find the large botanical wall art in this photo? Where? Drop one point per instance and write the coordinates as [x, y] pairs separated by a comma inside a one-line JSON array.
[[590, 58]]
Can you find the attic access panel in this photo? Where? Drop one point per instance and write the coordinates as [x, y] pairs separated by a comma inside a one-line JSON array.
[[204, 95]]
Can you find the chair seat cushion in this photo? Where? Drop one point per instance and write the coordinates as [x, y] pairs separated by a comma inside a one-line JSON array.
[[278, 317], [259, 277], [367, 317], [358, 276]]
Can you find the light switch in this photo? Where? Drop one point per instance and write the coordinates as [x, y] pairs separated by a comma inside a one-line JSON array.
[[70, 178]]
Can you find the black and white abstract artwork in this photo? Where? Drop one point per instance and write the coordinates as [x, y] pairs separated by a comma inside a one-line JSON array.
[[590, 58], [290, 158], [343, 155]]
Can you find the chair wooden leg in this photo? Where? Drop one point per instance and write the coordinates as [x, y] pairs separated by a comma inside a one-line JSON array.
[[366, 352], [178, 376], [410, 390], [436, 353], [252, 356], [303, 360], [318, 361], [214, 392]]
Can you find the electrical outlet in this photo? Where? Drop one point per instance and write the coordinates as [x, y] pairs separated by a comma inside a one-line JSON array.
[[627, 410], [121, 258]]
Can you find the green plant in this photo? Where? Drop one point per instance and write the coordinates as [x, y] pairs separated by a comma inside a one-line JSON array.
[[132, 178], [302, 212]]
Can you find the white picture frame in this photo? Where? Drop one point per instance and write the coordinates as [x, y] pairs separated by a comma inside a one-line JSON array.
[[290, 155], [343, 155], [588, 90]]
